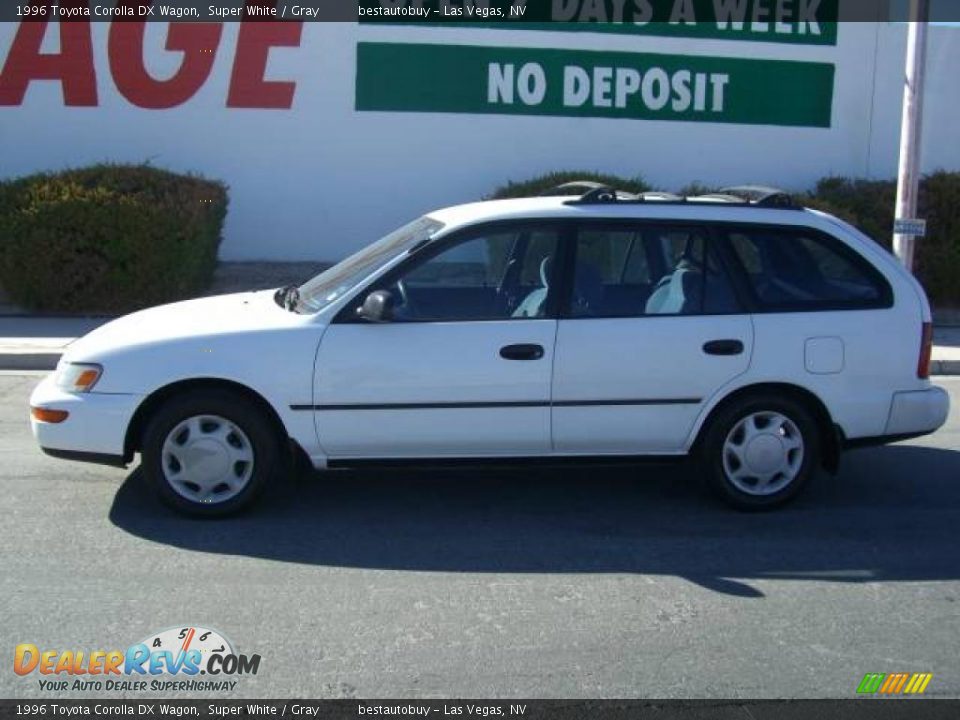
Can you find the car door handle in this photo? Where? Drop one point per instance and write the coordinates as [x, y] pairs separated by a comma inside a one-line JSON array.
[[723, 347], [523, 351]]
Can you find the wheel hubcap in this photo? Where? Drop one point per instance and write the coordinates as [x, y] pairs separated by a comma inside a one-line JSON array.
[[207, 459], [763, 453]]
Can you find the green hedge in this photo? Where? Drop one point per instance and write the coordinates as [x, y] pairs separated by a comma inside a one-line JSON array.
[[108, 238], [867, 204], [938, 256]]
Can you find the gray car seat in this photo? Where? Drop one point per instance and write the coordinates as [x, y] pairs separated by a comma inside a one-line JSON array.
[[678, 293], [588, 290], [533, 304]]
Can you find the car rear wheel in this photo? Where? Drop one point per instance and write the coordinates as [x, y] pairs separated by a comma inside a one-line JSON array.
[[761, 451], [210, 452]]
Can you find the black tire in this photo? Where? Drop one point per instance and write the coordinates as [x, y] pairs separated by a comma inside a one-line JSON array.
[[261, 439], [728, 419]]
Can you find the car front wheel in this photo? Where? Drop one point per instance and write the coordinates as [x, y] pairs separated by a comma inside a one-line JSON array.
[[209, 452], [761, 451]]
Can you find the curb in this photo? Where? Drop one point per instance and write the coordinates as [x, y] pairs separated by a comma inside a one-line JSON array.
[[945, 367], [29, 360]]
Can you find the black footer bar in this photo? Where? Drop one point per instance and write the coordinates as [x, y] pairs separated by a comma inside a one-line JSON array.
[[854, 709]]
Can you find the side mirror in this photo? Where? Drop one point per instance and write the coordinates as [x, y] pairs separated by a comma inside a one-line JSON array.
[[377, 307]]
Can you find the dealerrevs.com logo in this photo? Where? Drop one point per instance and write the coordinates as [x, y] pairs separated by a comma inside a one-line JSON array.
[[180, 658]]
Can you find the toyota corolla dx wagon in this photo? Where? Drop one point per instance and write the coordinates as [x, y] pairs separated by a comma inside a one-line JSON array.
[[759, 337]]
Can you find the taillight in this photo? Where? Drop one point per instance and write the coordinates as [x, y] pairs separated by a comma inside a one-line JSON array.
[[926, 349]]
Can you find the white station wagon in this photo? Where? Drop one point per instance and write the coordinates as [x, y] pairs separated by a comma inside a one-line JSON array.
[[760, 337]]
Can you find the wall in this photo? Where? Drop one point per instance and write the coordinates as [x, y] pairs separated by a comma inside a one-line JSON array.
[[321, 178]]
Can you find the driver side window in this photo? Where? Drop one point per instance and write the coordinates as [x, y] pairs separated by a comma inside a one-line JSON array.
[[498, 275]]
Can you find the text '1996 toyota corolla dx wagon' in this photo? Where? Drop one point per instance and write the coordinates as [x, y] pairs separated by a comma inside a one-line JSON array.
[[758, 336]]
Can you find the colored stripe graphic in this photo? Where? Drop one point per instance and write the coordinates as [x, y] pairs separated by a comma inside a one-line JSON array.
[[918, 683], [871, 683], [894, 683]]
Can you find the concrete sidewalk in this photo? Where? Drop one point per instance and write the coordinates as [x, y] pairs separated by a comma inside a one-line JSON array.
[[36, 343], [946, 350]]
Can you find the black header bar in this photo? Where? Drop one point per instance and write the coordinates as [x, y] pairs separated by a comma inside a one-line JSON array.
[[459, 12]]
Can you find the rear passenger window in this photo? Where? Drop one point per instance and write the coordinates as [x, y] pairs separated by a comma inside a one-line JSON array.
[[642, 271], [801, 270]]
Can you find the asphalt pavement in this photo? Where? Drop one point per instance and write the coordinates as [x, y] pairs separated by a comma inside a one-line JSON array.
[[569, 583]]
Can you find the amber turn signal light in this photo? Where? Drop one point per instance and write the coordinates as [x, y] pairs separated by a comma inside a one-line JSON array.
[[87, 378], [49, 416]]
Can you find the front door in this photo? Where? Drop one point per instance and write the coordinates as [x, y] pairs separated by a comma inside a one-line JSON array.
[[463, 368]]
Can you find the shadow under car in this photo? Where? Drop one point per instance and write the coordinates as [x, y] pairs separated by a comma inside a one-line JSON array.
[[892, 514]]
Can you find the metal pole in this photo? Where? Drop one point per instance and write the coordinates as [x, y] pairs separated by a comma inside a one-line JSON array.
[[908, 179]]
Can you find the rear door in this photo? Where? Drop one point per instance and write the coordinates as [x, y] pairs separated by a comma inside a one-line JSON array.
[[825, 318], [649, 331]]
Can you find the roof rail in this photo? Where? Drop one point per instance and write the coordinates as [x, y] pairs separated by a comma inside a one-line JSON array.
[[661, 196], [576, 187], [760, 195], [601, 194], [589, 192]]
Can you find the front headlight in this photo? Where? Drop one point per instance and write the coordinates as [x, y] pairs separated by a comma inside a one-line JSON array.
[[78, 377]]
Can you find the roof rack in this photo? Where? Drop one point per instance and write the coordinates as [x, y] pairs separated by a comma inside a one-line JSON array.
[[760, 195], [589, 191], [577, 187], [719, 197], [661, 196], [594, 193]]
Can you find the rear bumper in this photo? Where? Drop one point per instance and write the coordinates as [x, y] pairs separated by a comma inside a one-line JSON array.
[[918, 412]]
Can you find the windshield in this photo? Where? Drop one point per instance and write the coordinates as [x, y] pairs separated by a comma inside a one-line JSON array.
[[330, 285]]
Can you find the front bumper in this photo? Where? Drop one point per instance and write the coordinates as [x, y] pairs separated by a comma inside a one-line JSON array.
[[918, 412], [96, 425]]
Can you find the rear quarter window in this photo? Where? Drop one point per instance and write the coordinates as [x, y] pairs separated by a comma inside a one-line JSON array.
[[789, 269]]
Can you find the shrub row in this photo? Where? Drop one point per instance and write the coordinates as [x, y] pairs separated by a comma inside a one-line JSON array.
[[108, 238], [867, 204], [115, 238]]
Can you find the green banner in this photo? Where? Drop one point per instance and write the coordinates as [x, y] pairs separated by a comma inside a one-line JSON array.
[[808, 22], [526, 81]]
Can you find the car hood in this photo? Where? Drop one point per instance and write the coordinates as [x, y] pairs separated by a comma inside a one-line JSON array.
[[208, 317]]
